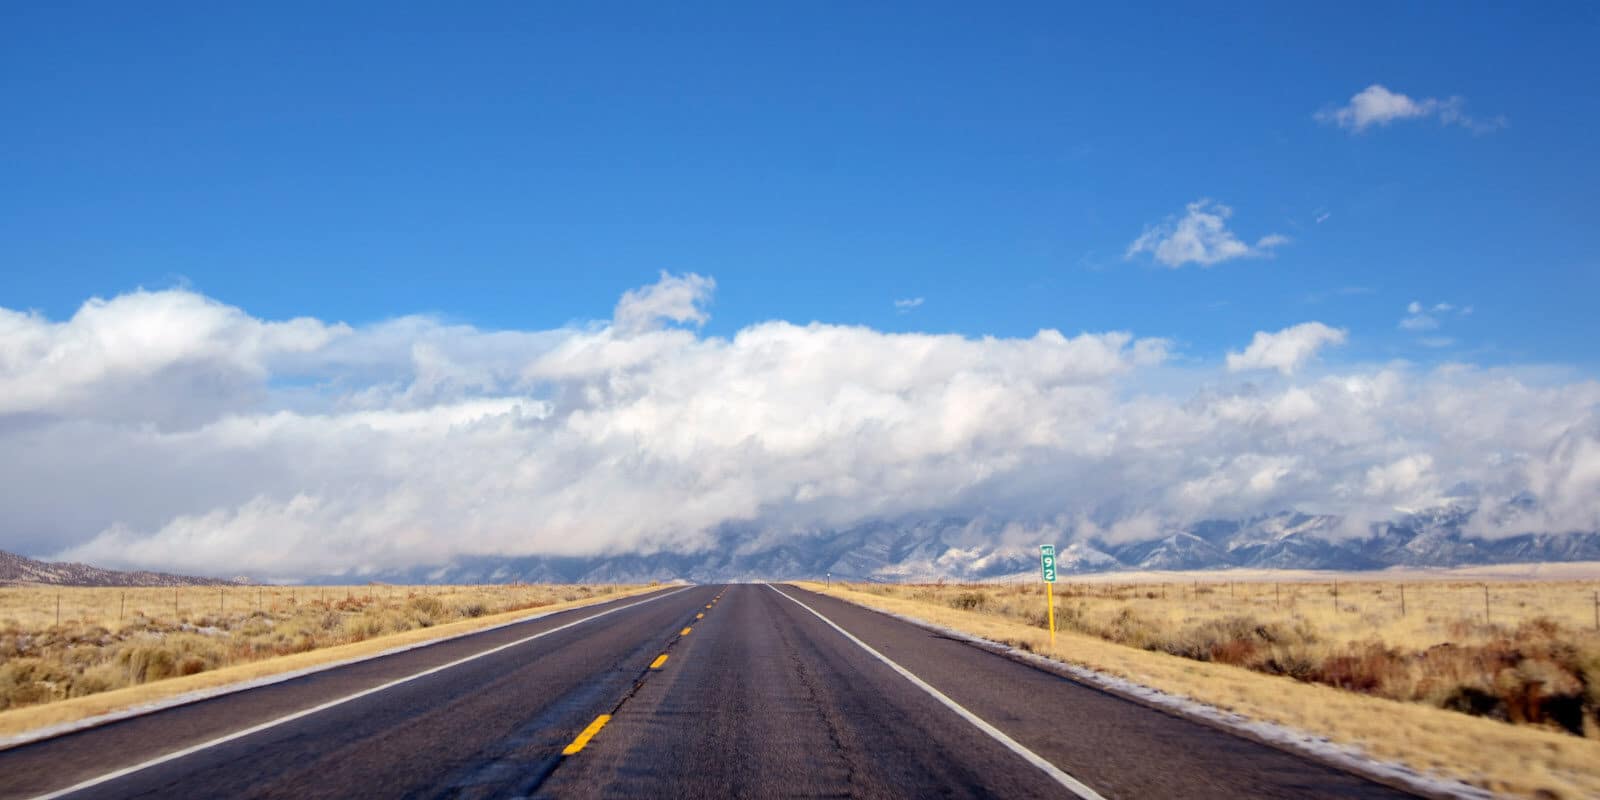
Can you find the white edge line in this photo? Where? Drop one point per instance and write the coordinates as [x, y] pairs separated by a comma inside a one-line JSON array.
[[64, 728], [1317, 748], [254, 729], [1072, 784]]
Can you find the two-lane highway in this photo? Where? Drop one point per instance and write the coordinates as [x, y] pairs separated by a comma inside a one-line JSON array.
[[741, 691]]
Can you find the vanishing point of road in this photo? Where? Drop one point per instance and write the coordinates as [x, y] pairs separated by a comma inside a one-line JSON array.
[[704, 691]]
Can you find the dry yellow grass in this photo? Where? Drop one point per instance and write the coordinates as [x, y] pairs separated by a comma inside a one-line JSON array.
[[118, 648], [1525, 760]]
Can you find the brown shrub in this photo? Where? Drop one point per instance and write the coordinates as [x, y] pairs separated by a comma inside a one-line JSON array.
[[99, 647], [1365, 670]]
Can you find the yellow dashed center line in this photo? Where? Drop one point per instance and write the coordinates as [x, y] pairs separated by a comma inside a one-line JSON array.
[[600, 722], [588, 733]]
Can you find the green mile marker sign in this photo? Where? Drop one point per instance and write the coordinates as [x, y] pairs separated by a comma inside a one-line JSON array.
[[1047, 562]]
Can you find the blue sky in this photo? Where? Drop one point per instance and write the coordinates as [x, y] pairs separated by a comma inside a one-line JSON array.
[[519, 165]]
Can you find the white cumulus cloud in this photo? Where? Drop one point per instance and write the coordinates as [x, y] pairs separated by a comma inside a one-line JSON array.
[[1377, 106], [1200, 236], [674, 298], [1286, 350]]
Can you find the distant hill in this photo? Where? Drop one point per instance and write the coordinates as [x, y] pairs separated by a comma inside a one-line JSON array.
[[19, 570]]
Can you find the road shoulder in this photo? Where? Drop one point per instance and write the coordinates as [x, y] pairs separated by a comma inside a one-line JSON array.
[[1427, 750]]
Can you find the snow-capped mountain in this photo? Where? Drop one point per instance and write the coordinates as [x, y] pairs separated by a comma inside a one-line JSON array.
[[971, 550]]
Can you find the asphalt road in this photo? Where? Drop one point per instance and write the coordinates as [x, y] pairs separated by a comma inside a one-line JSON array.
[[757, 696]]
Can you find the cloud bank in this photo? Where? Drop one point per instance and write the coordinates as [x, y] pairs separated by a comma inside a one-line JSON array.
[[167, 429]]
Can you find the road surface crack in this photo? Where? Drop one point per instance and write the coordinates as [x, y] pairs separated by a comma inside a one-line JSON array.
[[815, 701]]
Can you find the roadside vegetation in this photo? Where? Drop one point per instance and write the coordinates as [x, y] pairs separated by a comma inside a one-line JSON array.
[[61, 643], [1525, 653], [1506, 698]]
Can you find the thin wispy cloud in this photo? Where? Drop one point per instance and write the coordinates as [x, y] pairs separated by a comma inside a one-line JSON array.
[[1377, 106], [1420, 318], [906, 305], [1342, 291], [1200, 236]]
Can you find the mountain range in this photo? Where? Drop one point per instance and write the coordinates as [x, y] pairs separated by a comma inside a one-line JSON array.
[[966, 549]]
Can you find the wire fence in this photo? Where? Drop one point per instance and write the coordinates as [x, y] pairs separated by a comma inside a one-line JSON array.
[[1508, 603], [33, 607]]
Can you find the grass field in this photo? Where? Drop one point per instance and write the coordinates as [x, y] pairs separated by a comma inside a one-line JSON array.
[[1507, 699], [1525, 652], [62, 643]]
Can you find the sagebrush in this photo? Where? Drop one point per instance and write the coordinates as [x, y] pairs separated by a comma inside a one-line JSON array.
[[109, 638], [1523, 652]]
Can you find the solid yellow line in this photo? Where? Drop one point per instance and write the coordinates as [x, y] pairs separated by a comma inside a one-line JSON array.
[[661, 659], [588, 733], [684, 632]]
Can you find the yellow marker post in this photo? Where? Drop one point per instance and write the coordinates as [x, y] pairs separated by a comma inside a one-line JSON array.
[[1050, 603], [1047, 564]]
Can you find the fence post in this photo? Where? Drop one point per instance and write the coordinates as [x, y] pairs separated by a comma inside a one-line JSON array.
[[1486, 619], [123, 609], [58, 608], [1277, 594], [1402, 599]]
